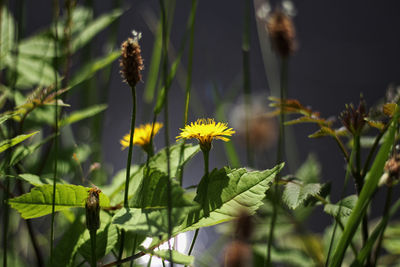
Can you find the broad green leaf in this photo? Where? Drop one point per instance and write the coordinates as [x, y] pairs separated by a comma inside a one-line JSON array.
[[148, 213], [371, 182], [106, 238], [67, 246], [40, 46], [93, 28], [228, 192], [82, 114], [345, 206], [310, 170], [38, 202], [158, 161], [32, 71], [296, 192], [177, 257], [6, 144], [90, 69], [7, 29]]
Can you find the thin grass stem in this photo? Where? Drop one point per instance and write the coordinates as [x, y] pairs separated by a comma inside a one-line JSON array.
[[93, 247], [55, 66], [280, 156], [128, 165]]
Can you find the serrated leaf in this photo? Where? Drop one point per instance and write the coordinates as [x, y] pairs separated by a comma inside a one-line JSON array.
[[82, 114], [38, 202], [38, 46], [375, 124], [177, 257], [345, 206], [324, 131], [310, 170], [148, 213], [306, 119], [389, 108], [229, 191], [93, 28], [297, 192], [5, 144], [89, 70]]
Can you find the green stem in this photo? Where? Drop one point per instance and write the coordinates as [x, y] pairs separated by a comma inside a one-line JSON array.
[[188, 81], [280, 155], [206, 156], [128, 165], [93, 247], [246, 79], [386, 211], [134, 248], [166, 84], [55, 18]]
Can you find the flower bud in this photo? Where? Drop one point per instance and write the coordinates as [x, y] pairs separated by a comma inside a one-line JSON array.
[[93, 209], [282, 33]]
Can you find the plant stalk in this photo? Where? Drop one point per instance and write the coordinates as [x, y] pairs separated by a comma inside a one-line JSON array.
[[93, 247], [280, 155], [128, 165]]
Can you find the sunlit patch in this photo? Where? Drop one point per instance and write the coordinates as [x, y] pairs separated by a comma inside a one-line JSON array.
[[181, 246]]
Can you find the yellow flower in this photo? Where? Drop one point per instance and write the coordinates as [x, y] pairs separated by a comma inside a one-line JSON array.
[[205, 130], [142, 135]]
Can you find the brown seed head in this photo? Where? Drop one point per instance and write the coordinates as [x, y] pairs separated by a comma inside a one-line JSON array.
[[238, 254], [354, 119], [282, 33], [131, 61]]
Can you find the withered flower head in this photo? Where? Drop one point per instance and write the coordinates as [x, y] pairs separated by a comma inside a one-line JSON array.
[[93, 209], [354, 119], [282, 33], [131, 60]]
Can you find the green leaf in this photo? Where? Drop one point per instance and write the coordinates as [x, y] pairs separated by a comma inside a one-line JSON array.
[[82, 114], [4, 145], [148, 213], [177, 257], [310, 170], [7, 31], [296, 192], [38, 181], [31, 71], [152, 75], [38, 202], [371, 182], [40, 46], [228, 192], [93, 28], [288, 257], [90, 69], [345, 206]]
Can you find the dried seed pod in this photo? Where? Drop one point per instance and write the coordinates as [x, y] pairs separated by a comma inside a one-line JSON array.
[[93, 209], [282, 33], [131, 62]]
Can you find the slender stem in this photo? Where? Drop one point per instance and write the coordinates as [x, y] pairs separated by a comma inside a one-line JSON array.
[[246, 78], [93, 247], [359, 184], [55, 62], [386, 211], [188, 81], [134, 247], [280, 155], [206, 156], [128, 165], [166, 84]]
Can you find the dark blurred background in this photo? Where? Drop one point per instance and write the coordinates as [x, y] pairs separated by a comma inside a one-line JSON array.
[[344, 48]]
